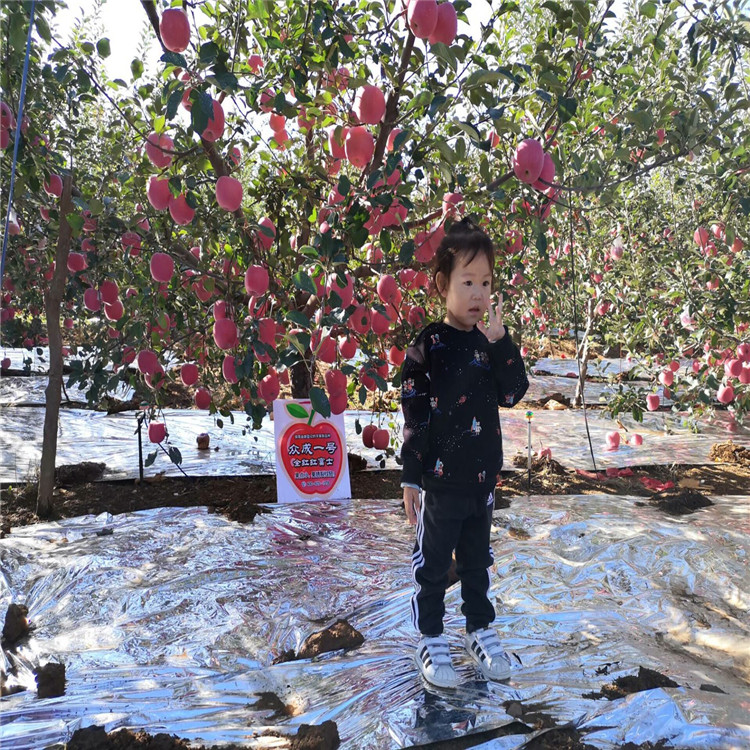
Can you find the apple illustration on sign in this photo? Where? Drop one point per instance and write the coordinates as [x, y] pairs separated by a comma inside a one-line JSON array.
[[312, 455]]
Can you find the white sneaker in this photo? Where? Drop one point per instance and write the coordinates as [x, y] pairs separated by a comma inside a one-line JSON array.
[[434, 661], [485, 648]]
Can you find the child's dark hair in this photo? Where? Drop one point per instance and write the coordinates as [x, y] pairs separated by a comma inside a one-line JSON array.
[[464, 238]]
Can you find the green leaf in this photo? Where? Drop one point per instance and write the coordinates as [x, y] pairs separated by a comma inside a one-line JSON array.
[[470, 130], [541, 243], [102, 47], [207, 52], [648, 9], [76, 223], [257, 9], [319, 401], [172, 103], [136, 68], [344, 185], [480, 77], [227, 81], [446, 151], [175, 456], [422, 99], [297, 411], [295, 316], [406, 253], [303, 281], [150, 459], [174, 58], [566, 107]]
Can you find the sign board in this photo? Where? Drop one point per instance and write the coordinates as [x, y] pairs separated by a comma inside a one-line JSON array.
[[311, 462]]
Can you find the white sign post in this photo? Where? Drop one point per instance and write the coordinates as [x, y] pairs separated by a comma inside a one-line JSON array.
[[311, 461]]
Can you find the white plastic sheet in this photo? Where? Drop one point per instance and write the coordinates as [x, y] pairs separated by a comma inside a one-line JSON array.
[[171, 623]]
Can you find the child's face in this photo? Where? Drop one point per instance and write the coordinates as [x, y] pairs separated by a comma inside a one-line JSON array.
[[467, 292]]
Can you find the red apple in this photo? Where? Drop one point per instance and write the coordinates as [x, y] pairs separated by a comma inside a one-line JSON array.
[[174, 28], [158, 148], [91, 300], [76, 262], [338, 402], [225, 333], [161, 267], [369, 105], [613, 440], [359, 146], [422, 15], [264, 239], [159, 193], [700, 237], [229, 193], [347, 347], [256, 280], [228, 369], [189, 373], [380, 439], [367, 435], [528, 161], [109, 291], [335, 381], [114, 310], [180, 211], [652, 401], [269, 388], [157, 431], [215, 127], [203, 398], [147, 361], [54, 185], [547, 174], [725, 394], [446, 25]]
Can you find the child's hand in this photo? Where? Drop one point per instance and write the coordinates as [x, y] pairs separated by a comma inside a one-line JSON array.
[[495, 330], [411, 504]]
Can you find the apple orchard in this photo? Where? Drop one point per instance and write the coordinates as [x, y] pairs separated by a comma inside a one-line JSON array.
[[268, 198]]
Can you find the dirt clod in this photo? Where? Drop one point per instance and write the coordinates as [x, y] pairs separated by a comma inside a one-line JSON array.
[[50, 680], [323, 737], [729, 453], [544, 464], [680, 502], [68, 475], [563, 738], [647, 679], [16, 623], [271, 702], [339, 635]]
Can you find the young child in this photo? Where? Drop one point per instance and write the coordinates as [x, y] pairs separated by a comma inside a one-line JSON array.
[[454, 377]]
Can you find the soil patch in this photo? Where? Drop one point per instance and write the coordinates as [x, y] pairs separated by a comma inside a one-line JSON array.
[[16, 623], [50, 680], [730, 453], [680, 502], [646, 679], [240, 498], [271, 702]]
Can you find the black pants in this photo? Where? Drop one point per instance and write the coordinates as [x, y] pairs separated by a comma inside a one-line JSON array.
[[447, 523]]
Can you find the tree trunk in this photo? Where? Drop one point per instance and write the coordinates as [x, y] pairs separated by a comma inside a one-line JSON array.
[[301, 381], [52, 303], [583, 352]]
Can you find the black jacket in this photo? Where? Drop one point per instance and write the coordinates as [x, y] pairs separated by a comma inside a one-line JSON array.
[[452, 383]]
